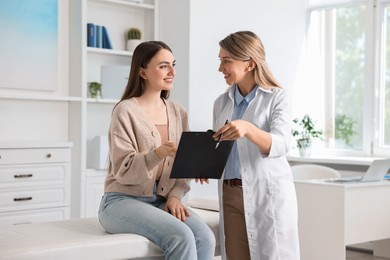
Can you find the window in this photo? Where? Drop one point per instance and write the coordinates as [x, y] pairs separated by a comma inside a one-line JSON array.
[[349, 75]]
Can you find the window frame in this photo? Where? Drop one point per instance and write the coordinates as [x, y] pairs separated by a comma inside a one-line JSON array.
[[380, 63], [373, 74]]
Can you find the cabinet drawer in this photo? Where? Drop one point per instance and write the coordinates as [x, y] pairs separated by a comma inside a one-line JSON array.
[[34, 175], [33, 216], [33, 199], [34, 155]]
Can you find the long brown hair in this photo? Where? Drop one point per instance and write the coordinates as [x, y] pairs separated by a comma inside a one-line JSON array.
[[142, 55], [246, 45]]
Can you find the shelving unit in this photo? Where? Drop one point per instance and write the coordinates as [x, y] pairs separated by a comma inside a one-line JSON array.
[[117, 16], [90, 117]]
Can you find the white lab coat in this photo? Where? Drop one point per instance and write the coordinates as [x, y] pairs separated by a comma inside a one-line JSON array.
[[270, 203]]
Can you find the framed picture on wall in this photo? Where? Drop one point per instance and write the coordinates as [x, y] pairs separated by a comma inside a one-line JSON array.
[[28, 45]]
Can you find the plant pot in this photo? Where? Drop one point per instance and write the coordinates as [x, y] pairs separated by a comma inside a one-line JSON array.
[[94, 90], [96, 95], [305, 151], [304, 146], [132, 44]]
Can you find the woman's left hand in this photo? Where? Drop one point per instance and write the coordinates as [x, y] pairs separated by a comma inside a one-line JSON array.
[[176, 208]]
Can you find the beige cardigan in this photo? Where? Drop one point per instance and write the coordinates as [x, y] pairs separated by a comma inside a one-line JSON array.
[[133, 162]]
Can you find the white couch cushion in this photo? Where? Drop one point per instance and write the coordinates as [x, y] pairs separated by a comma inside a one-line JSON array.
[[71, 239], [207, 203], [81, 239]]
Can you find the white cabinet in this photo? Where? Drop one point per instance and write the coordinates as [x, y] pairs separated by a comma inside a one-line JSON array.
[[92, 190], [34, 182]]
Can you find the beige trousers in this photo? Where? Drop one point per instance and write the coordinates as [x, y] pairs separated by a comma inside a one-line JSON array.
[[236, 239]]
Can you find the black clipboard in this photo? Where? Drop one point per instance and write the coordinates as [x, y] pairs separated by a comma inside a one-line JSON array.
[[196, 156]]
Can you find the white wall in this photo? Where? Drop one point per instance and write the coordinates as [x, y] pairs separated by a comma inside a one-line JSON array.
[[279, 23], [34, 120], [194, 31], [174, 30]]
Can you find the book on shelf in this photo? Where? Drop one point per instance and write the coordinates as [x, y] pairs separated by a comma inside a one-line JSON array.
[[106, 39], [91, 35], [98, 37]]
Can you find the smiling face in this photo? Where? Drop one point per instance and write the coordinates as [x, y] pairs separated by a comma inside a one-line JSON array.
[[234, 71], [159, 72]]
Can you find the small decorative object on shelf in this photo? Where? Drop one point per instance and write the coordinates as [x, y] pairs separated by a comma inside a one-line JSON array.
[[133, 38], [304, 134], [95, 89]]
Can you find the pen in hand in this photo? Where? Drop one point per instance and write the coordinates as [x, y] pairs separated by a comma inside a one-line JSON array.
[[220, 136]]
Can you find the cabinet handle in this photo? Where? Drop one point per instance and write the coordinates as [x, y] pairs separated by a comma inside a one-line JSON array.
[[48, 155], [23, 199], [17, 176]]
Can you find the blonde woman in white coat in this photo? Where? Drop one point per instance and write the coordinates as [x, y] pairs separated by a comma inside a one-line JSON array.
[[257, 194]]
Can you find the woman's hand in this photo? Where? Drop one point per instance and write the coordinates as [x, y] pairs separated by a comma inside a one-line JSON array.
[[232, 131], [176, 208], [240, 128], [167, 149], [202, 180]]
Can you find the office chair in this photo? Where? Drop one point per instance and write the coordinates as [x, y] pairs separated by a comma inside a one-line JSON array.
[[313, 171]]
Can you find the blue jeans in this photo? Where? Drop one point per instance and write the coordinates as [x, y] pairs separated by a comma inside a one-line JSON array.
[[145, 216]]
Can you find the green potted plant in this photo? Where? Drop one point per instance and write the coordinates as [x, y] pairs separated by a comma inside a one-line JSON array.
[[95, 89], [304, 132], [133, 38]]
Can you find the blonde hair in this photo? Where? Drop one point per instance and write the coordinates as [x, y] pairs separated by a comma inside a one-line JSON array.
[[246, 45]]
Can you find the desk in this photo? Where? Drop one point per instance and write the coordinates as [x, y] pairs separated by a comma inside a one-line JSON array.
[[332, 216]]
